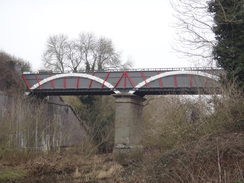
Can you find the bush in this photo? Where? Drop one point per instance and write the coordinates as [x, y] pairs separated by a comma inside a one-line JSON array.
[[10, 76], [188, 140]]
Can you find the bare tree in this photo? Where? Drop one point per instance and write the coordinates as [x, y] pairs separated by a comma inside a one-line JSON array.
[[194, 26], [105, 54], [74, 56], [86, 44], [55, 57], [98, 54], [87, 53]]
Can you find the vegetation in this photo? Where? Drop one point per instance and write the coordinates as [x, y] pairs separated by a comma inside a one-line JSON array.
[[195, 38], [10, 79], [12, 174], [188, 140], [185, 139], [229, 33], [90, 54], [87, 53], [98, 113], [211, 32]]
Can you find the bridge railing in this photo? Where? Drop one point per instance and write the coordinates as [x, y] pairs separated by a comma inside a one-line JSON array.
[[135, 69], [165, 69]]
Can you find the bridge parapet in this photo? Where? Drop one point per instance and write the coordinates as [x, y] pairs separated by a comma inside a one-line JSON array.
[[167, 69], [134, 81]]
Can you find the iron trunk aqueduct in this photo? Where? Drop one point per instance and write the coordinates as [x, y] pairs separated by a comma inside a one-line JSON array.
[[128, 87]]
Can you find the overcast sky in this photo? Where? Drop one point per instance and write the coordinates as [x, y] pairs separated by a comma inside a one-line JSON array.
[[140, 29]]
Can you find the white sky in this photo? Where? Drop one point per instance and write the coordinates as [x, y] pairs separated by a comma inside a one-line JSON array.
[[140, 29]]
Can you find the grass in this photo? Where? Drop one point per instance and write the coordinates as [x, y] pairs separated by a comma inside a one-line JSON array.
[[11, 174]]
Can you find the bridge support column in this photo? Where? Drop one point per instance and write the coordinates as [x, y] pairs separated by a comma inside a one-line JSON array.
[[128, 123]]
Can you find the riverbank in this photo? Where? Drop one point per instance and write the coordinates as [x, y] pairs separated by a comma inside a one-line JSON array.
[[59, 167], [213, 158]]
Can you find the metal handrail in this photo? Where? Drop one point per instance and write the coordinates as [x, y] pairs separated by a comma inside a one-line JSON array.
[[167, 69], [142, 69]]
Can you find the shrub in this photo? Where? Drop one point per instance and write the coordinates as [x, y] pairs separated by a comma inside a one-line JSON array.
[[198, 140]]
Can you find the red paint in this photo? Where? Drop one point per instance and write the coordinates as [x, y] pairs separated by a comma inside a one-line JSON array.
[[105, 80], [26, 82], [64, 82], [116, 84], [131, 82], [124, 81], [51, 82], [77, 82], [125, 75], [145, 80], [160, 81], [175, 81], [38, 81]]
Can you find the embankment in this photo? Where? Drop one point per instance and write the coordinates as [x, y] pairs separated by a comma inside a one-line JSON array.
[[39, 124]]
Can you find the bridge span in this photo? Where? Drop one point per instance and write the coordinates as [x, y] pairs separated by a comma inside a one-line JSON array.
[[135, 81]]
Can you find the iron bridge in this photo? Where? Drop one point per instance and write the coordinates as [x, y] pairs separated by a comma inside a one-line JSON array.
[[135, 81]]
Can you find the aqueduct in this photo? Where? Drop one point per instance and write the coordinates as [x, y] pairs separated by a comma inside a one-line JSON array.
[[128, 88]]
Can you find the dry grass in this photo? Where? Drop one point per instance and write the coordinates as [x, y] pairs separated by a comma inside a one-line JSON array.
[[73, 167], [113, 171], [68, 166]]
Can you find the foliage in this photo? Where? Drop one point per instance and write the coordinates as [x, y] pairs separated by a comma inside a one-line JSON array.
[[22, 64], [229, 33], [198, 140], [8, 174], [98, 113], [10, 68], [172, 120]]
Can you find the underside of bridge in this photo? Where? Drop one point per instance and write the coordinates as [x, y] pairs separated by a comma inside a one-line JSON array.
[[139, 92]]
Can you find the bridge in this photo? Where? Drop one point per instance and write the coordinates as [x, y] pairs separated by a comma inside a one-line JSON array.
[[139, 82], [128, 87]]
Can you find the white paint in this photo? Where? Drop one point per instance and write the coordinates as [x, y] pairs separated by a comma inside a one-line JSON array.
[[81, 75], [165, 74], [141, 84]]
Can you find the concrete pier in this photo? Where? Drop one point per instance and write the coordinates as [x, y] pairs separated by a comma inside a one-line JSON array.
[[128, 123]]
